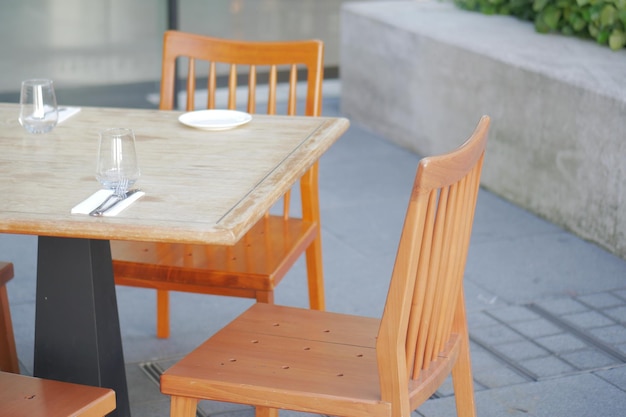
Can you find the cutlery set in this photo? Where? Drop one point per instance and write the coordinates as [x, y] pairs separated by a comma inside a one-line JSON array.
[[113, 200]]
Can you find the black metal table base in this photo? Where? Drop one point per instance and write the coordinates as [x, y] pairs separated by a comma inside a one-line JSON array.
[[77, 331]]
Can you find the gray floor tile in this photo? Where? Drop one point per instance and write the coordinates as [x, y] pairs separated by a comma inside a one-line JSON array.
[[601, 300], [574, 396], [536, 328], [616, 376], [612, 335], [548, 366], [618, 313], [588, 359], [588, 319], [561, 343], [522, 350], [497, 334]]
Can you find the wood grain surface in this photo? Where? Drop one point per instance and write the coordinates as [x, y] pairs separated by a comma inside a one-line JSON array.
[[201, 186]]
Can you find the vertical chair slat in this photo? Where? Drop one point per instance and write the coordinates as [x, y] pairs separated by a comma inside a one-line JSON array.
[[449, 277], [449, 300], [271, 98], [191, 84], [416, 345], [212, 85], [293, 85], [431, 270], [252, 90], [439, 281], [232, 87], [435, 266], [465, 228]]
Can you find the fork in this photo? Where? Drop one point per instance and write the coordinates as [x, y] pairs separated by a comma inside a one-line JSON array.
[[118, 195]]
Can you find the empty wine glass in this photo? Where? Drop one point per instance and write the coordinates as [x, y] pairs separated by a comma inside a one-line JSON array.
[[117, 166], [38, 106]]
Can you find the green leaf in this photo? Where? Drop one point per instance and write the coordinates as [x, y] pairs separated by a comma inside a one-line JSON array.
[[617, 40], [608, 15], [586, 15], [577, 22], [603, 37], [582, 2], [539, 5], [540, 26], [594, 13], [551, 16]]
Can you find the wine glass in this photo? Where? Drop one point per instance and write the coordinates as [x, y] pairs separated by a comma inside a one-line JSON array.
[[38, 106], [117, 167]]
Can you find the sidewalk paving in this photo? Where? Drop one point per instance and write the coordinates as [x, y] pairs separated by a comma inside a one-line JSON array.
[[546, 309]]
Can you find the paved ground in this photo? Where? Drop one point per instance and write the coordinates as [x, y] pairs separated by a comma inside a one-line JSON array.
[[546, 309]]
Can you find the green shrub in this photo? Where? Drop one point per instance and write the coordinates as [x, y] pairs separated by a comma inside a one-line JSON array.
[[602, 20]]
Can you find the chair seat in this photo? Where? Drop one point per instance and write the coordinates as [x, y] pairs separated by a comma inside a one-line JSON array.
[[321, 361], [26, 396], [256, 263]]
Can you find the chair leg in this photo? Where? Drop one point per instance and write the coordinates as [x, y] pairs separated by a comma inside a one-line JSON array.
[[462, 372], [8, 352], [266, 412], [309, 190], [315, 274], [183, 407], [163, 314]]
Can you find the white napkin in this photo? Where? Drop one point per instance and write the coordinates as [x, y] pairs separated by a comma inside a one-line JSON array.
[[66, 112], [88, 205]]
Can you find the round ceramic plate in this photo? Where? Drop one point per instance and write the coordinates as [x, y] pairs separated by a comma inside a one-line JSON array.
[[214, 119]]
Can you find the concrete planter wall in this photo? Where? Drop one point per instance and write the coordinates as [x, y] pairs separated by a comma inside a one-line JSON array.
[[421, 73]]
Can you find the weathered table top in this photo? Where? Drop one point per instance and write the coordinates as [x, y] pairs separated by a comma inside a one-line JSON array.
[[201, 186]]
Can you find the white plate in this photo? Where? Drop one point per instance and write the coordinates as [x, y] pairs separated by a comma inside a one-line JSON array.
[[214, 119]]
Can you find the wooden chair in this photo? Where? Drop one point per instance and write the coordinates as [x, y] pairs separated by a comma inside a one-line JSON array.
[[25, 396], [275, 357], [8, 352], [253, 267]]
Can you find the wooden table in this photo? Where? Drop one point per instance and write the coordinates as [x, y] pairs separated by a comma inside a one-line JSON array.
[[201, 187]]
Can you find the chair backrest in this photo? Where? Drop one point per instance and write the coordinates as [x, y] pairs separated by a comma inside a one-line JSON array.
[[246, 60], [298, 59], [426, 284]]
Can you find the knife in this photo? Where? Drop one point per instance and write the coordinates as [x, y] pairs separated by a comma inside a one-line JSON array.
[[111, 201]]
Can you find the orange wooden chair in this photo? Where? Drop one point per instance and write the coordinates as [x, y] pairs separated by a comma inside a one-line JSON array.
[[25, 396], [8, 353], [253, 267], [275, 357]]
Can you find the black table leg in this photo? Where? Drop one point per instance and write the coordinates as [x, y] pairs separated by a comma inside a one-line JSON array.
[[77, 331]]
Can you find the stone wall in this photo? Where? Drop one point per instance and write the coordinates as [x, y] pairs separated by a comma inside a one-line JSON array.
[[421, 73]]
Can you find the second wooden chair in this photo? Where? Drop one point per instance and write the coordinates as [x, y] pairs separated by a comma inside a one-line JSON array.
[[275, 357], [257, 263]]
